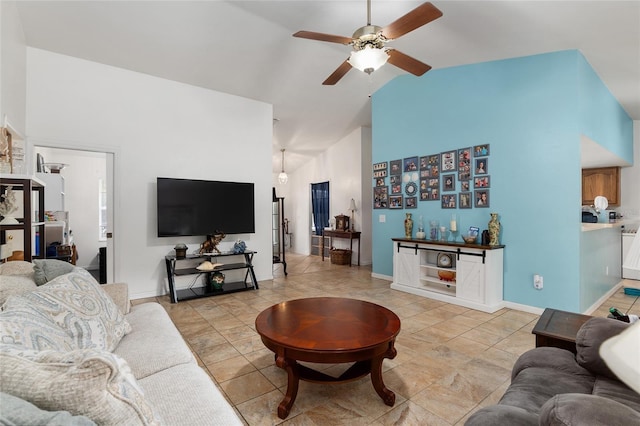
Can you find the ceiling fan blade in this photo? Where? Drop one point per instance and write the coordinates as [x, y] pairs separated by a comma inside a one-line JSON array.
[[418, 17], [337, 74], [323, 37], [407, 63]]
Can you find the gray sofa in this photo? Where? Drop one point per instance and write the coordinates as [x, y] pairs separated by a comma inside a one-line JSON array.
[[75, 352], [551, 386]]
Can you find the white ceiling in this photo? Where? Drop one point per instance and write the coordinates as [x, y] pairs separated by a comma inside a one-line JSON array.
[[246, 48]]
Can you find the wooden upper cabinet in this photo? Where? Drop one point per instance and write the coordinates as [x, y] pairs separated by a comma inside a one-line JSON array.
[[603, 181]]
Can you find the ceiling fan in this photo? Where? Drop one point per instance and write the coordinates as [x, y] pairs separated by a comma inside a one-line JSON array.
[[369, 51]]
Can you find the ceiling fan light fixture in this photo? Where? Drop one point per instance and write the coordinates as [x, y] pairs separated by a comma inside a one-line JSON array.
[[368, 59]]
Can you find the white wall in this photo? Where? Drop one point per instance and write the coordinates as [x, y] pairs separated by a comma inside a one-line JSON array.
[[12, 67], [81, 189], [630, 181], [342, 166], [154, 127]]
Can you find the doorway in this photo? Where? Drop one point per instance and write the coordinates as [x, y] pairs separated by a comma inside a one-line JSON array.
[[79, 183]]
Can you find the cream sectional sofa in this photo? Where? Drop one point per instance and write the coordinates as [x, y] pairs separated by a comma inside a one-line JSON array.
[[76, 352]]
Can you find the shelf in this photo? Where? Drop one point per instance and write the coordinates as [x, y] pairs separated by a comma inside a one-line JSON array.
[[437, 280], [449, 289], [225, 267], [249, 283], [198, 292]]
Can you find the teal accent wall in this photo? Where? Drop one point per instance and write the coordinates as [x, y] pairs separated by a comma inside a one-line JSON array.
[[531, 111], [602, 119]]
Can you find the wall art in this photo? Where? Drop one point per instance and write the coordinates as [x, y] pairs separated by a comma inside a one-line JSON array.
[[410, 164], [482, 165], [481, 150], [481, 198], [449, 201], [396, 167], [395, 202], [464, 200], [381, 197], [448, 161]]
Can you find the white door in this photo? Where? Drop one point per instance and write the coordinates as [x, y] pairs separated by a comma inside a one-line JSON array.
[[406, 267], [470, 280]]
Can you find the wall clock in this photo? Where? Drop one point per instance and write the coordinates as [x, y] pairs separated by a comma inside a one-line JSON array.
[[445, 260]]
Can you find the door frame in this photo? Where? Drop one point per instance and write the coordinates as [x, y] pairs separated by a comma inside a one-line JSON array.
[[112, 155]]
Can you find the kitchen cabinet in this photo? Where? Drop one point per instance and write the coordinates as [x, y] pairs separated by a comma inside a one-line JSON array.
[[603, 181]]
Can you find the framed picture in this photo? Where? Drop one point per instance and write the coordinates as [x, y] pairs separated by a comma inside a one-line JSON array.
[[410, 164], [434, 194], [396, 188], [379, 173], [464, 160], [482, 166], [464, 200], [464, 175], [380, 181], [395, 179], [481, 182], [448, 182], [410, 202], [481, 150], [464, 186], [448, 161], [381, 197], [395, 202], [433, 183], [449, 201], [380, 166], [424, 196], [396, 167], [481, 198], [424, 162]]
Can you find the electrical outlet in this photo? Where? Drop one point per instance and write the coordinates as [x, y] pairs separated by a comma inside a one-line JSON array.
[[382, 218], [538, 282]]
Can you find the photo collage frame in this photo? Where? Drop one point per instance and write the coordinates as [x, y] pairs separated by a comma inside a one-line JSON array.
[[458, 178]]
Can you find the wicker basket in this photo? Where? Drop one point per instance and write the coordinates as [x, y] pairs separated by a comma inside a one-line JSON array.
[[340, 256]]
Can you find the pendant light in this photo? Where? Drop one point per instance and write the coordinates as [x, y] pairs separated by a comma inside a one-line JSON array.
[[282, 177]]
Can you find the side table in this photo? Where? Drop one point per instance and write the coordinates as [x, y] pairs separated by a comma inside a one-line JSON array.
[[349, 235], [558, 329]]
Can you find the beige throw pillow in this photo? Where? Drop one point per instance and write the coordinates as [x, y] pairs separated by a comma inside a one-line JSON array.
[[86, 382], [76, 303]]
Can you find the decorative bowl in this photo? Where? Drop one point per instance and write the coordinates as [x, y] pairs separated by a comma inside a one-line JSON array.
[[447, 275], [470, 239]]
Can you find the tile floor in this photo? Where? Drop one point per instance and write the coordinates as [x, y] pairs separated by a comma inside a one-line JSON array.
[[451, 360]]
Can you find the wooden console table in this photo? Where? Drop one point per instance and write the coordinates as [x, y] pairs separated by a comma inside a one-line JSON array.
[[350, 235], [558, 329]]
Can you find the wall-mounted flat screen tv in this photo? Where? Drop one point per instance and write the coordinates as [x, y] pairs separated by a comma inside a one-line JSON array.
[[201, 207]]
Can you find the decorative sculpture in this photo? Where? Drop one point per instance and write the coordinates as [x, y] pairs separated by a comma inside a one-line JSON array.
[[211, 243]]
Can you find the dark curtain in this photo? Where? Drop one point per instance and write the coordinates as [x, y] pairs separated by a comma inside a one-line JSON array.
[[320, 205]]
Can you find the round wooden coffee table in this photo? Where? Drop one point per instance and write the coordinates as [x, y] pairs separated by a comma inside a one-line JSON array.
[[329, 330]]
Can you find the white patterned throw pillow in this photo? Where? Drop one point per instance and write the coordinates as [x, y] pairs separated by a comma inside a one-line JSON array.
[[76, 303], [86, 382]]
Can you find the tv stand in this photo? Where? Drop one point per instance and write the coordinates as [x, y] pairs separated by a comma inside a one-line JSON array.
[[174, 268]]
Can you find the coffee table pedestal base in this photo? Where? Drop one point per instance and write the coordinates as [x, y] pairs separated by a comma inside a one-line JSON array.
[[297, 372]]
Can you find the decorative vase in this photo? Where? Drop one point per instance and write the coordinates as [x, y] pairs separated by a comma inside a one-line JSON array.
[[421, 235], [408, 226], [433, 230], [494, 230]]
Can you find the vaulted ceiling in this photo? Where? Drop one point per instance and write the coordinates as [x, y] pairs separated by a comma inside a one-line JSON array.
[[246, 48]]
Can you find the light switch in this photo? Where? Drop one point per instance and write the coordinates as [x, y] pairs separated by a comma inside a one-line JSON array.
[[382, 218]]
